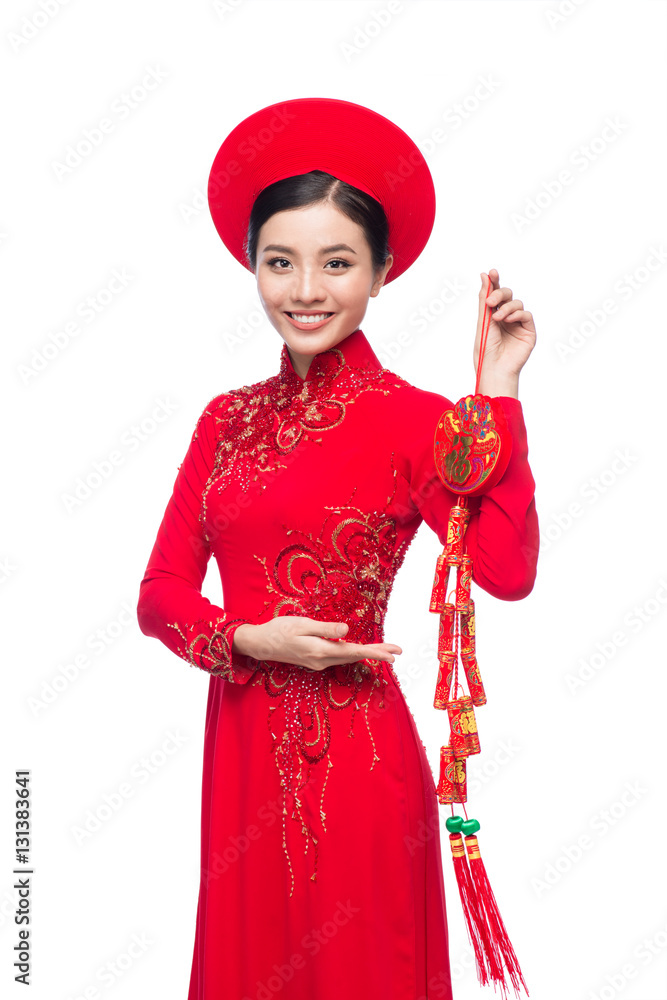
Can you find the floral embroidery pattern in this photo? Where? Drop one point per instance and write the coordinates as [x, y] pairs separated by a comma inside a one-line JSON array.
[[347, 571], [264, 422], [208, 650], [345, 574]]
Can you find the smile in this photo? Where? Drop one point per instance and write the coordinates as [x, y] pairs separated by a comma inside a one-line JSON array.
[[310, 321]]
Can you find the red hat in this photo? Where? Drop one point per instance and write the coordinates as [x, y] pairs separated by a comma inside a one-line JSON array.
[[347, 140]]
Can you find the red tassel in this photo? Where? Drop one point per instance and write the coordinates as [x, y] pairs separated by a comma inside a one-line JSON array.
[[475, 922], [501, 950]]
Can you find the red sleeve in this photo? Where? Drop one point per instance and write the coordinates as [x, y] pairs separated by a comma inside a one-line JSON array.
[[503, 531], [171, 606], [504, 536]]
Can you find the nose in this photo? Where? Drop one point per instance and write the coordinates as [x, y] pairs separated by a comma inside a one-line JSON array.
[[308, 286]]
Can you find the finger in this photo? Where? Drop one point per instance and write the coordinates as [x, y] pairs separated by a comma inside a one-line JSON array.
[[500, 295], [520, 316], [385, 647], [516, 314], [493, 278], [356, 650], [325, 630], [487, 285], [367, 651], [350, 652], [373, 650], [506, 307]]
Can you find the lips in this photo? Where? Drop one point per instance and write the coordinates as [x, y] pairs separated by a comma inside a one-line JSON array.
[[309, 324]]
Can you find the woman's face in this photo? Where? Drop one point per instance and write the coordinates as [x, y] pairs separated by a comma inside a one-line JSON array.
[[314, 262]]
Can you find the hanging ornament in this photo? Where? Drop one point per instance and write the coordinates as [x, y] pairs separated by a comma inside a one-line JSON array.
[[472, 447]]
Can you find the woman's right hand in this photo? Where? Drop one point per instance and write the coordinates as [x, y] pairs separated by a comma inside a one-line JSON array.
[[306, 642]]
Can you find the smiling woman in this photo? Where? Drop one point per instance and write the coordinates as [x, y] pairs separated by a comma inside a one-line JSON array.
[[308, 290], [321, 868]]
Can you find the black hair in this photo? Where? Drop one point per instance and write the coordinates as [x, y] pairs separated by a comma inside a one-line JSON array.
[[309, 189]]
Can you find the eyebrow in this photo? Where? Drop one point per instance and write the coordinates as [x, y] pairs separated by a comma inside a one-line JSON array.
[[333, 249]]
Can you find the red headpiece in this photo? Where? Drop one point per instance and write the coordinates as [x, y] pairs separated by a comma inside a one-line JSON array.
[[353, 143]]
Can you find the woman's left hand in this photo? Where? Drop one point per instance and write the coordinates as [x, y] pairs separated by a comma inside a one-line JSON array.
[[511, 335]]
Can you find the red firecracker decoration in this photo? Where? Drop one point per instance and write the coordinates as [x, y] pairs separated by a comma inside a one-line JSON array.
[[471, 450]]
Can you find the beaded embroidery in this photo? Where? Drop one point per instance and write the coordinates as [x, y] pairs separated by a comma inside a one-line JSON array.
[[208, 650], [262, 423], [345, 574]]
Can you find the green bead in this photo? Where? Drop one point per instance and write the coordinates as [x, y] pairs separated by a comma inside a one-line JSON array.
[[470, 826], [454, 824]]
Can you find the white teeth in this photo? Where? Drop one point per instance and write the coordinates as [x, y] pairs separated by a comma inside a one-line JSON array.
[[309, 319]]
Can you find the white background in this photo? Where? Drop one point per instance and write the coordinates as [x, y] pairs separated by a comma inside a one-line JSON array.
[[569, 786]]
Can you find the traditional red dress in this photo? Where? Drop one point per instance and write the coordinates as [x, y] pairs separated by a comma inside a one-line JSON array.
[[317, 879]]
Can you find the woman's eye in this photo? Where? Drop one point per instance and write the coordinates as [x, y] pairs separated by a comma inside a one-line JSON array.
[[344, 264], [339, 265]]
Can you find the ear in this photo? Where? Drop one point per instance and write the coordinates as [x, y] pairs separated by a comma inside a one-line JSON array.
[[381, 276]]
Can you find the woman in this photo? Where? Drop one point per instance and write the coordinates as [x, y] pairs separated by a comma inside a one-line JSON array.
[[321, 871]]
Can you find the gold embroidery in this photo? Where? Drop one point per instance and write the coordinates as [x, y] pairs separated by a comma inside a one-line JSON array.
[[263, 423], [210, 651], [345, 574]]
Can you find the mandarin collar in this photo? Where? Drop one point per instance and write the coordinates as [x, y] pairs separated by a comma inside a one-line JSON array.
[[353, 352]]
